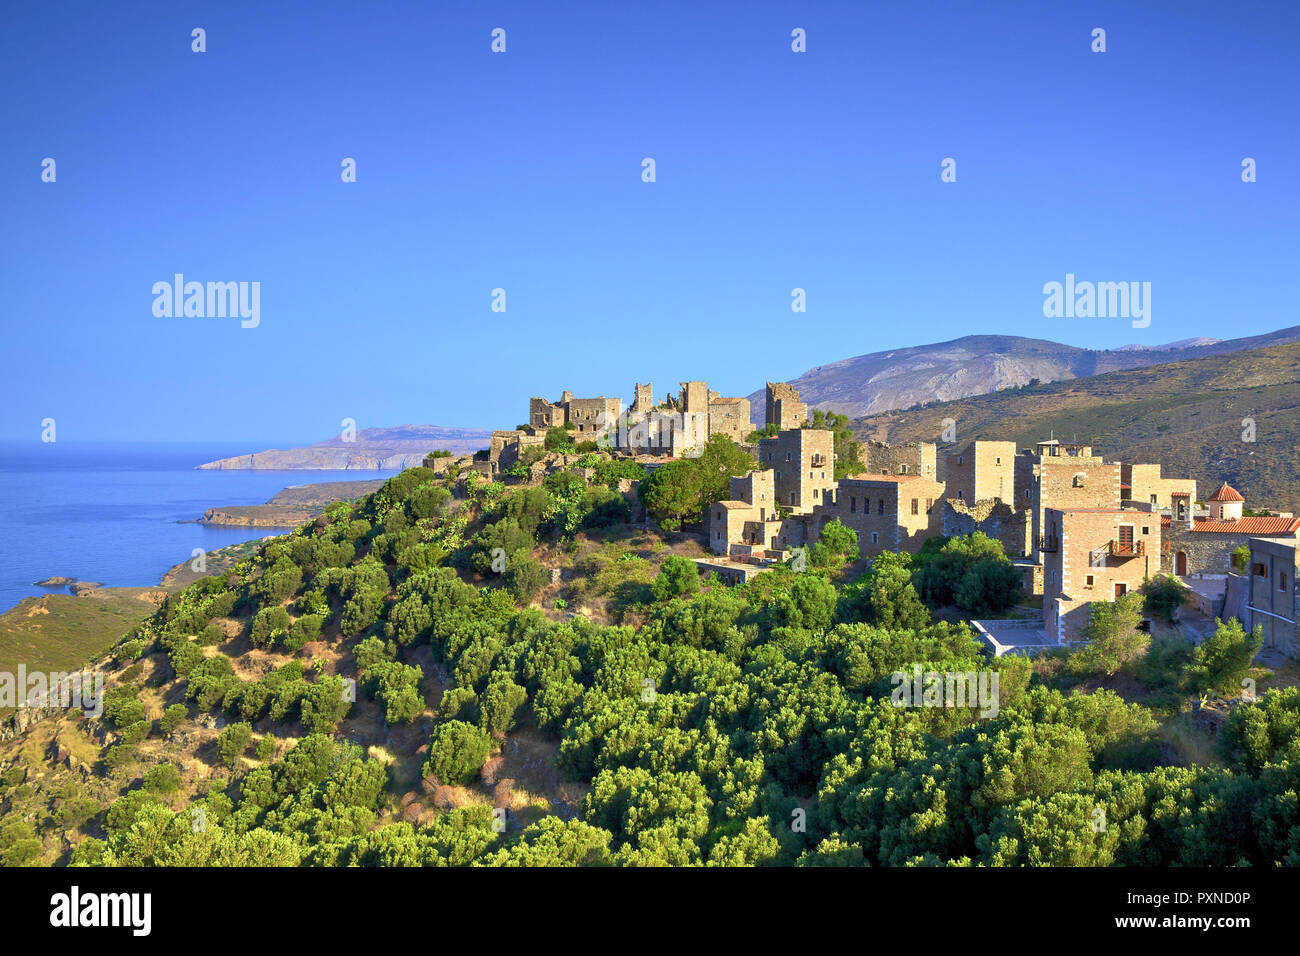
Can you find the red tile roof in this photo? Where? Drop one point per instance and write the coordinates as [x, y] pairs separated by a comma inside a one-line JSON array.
[[1227, 493], [1182, 494], [1250, 525]]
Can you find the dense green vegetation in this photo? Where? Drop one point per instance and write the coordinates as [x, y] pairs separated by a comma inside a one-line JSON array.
[[744, 726]]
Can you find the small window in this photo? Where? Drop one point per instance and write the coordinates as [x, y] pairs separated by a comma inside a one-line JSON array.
[[853, 505], [929, 505], [916, 506], [787, 456], [1146, 530], [817, 492], [961, 494], [961, 459], [1078, 480], [1089, 580], [1281, 581], [902, 469], [998, 461], [881, 509], [875, 537], [1259, 570]]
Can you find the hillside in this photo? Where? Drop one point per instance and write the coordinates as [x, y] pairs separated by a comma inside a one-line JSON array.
[[1187, 415], [375, 690], [979, 364], [398, 447]]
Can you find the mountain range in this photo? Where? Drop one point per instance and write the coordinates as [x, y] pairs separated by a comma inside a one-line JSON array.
[[979, 364], [1231, 417]]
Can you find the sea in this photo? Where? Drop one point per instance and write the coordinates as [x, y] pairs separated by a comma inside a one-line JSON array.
[[122, 514]]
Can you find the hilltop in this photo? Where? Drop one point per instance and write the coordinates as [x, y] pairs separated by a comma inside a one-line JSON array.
[[456, 671], [978, 364], [1187, 415]]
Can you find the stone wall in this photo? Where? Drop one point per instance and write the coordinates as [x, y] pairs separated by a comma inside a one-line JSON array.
[[982, 469], [783, 406], [1079, 567], [888, 513], [804, 462], [995, 518], [907, 458]]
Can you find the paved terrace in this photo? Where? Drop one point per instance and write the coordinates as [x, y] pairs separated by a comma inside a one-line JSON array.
[[1014, 636]]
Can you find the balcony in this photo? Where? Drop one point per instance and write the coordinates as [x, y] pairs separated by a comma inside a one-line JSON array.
[[1051, 545], [818, 461], [1128, 549]]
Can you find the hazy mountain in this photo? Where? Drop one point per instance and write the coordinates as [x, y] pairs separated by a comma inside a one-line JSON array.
[[402, 446], [978, 364]]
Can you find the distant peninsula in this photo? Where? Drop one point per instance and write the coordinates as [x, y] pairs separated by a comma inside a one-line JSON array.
[[371, 449], [291, 507]]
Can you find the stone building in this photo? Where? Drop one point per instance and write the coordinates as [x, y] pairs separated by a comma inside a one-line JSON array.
[[784, 410], [1274, 592], [1202, 546], [730, 417], [906, 458], [748, 525], [889, 512], [1067, 475], [680, 427], [980, 471], [589, 416], [1143, 484], [804, 462], [1093, 554], [505, 448]]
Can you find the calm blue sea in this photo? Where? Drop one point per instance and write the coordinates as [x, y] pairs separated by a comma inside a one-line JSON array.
[[111, 512]]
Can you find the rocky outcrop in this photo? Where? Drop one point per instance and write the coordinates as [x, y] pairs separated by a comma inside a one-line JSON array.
[[258, 516]]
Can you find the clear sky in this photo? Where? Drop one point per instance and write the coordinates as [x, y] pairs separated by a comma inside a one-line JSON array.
[[523, 171]]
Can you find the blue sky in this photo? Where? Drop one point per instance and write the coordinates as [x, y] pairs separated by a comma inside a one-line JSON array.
[[522, 171]]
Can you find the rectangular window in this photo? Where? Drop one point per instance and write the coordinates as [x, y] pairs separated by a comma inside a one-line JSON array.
[[853, 505], [916, 506], [881, 509], [875, 537], [1146, 530], [1089, 580], [929, 505]]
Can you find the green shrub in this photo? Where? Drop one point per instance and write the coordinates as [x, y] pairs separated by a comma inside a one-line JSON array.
[[457, 751]]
